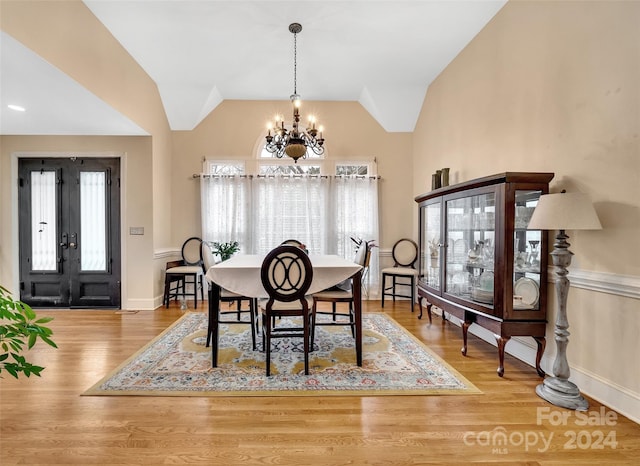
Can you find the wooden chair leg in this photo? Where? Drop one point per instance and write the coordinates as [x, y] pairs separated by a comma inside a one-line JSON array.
[[195, 291], [267, 340], [253, 323], [384, 284], [352, 317], [413, 291], [305, 323], [165, 299]]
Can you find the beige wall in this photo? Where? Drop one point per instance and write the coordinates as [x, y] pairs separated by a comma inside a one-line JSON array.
[[553, 86], [235, 128], [69, 36]]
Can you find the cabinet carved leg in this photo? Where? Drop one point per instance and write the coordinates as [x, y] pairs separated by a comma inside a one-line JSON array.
[[502, 342], [542, 342], [465, 330], [429, 305]]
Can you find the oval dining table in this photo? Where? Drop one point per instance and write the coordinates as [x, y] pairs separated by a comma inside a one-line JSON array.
[[241, 274]]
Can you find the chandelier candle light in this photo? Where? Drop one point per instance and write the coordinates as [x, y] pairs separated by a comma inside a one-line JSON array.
[[294, 142]]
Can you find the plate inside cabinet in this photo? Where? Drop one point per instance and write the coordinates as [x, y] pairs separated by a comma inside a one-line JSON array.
[[529, 290]]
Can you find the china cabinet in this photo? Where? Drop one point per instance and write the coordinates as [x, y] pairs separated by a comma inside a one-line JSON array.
[[479, 262]]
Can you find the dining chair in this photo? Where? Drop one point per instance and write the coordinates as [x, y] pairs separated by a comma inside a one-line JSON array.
[[286, 275], [403, 272], [334, 295], [228, 316], [188, 272], [173, 284]]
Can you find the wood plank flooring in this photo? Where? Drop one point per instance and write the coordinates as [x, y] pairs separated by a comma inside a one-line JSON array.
[[46, 421]]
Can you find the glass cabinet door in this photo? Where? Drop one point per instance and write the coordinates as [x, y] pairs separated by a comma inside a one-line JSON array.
[[431, 246], [470, 247], [526, 253]]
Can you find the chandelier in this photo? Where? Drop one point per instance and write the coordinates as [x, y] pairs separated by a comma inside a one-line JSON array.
[[293, 141]]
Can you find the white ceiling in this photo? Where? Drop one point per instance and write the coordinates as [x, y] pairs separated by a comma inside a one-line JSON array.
[[383, 54]]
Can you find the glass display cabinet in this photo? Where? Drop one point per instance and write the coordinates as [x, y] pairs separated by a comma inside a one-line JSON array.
[[479, 262]]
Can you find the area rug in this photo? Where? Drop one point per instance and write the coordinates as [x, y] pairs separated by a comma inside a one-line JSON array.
[[177, 363]]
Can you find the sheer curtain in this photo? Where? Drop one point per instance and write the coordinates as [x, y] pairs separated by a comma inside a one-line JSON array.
[[355, 214], [323, 212], [226, 209], [290, 207]]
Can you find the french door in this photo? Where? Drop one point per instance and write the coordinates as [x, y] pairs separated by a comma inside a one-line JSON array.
[[69, 224]]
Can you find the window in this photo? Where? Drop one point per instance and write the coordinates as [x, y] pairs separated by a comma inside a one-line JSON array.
[[352, 169], [283, 200], [223, 167], [290, 169], [265, 154]]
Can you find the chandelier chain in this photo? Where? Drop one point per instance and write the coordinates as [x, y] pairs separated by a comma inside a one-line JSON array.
[[294, 142], [295, 63]]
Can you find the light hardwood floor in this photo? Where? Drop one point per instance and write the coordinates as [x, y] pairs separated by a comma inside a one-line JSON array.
[[46, 421]]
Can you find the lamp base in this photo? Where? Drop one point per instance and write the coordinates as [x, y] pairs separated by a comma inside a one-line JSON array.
[[561, 392]]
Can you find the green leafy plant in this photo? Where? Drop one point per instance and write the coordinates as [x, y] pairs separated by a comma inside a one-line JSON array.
[[225, 250], [20, 327]]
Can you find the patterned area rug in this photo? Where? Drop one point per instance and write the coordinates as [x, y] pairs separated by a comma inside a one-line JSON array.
[[177, 363]]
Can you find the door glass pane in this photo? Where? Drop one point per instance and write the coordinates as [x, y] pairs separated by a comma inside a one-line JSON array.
[[526, 248], [470, 242], [431, 246], [93, 221], [43, 221]]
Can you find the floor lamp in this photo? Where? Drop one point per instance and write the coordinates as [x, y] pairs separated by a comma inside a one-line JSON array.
[[563, 211]]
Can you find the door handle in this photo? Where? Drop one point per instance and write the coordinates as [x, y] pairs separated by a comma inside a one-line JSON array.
[[73, 245], [64, 241]]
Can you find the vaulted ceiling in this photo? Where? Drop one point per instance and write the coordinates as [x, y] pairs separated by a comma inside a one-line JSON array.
[[383, 54]]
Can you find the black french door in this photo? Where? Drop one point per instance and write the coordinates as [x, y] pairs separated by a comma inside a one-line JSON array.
[[69, 224]]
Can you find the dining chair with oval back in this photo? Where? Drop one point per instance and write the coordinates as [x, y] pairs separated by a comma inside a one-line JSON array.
[[286, 276], [403, 272]]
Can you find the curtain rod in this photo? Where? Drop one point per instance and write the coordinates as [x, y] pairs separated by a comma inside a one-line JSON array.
[[208, 175]]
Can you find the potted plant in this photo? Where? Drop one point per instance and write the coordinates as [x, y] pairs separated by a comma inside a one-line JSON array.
[[225, 250], [19, 326]]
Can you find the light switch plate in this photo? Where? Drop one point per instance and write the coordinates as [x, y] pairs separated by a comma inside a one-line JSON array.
[[136, 230]]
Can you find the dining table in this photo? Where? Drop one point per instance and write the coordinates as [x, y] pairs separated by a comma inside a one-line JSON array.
[[241, 274]]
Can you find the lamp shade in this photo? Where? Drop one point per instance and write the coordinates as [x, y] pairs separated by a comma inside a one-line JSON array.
[[564, 211]]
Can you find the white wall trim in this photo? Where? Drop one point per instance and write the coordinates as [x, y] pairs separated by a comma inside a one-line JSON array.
[[608, 393], [611, 283], [166, 253], [140, 304]]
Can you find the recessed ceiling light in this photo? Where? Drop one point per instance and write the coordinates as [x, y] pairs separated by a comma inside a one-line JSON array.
[[17, 108]]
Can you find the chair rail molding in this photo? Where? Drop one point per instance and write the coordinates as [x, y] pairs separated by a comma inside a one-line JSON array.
[[165, 253], [603, 282]]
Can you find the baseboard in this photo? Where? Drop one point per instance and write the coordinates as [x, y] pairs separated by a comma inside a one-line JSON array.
[[139, 305], [604, 391]]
